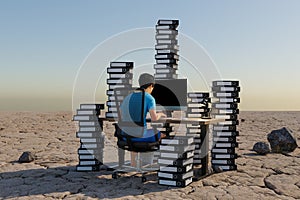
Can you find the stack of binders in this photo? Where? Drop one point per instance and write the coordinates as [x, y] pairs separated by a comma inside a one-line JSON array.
[[225, 106], [176, 161], [119, 83], [90, 152], [167, 130], [198, 107], [166, 49]]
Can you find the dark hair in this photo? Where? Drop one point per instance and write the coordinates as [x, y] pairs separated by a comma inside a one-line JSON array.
[[146, 80]]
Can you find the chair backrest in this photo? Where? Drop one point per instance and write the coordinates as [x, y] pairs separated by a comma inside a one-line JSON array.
[[131, 116]]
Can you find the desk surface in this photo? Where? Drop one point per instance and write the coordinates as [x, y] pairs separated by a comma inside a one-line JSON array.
[[189, 120], [200, 121]]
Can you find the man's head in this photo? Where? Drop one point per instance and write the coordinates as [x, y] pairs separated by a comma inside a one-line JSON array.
[[146, 80]]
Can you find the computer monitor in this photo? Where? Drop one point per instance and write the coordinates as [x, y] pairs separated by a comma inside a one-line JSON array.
[[170, 94]]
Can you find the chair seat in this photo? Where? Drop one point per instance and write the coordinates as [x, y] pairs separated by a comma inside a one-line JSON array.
[[138, 146]]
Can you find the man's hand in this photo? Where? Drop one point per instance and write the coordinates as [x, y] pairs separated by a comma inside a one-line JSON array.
[[156, 116], [161, 115]]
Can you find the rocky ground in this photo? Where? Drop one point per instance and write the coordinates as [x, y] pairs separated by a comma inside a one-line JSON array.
[[52, 175]]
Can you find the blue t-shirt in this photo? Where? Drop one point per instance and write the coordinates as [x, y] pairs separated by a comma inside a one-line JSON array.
[[131, 111], [131, 106]]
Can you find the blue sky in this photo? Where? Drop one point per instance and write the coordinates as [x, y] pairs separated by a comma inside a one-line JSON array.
[[43, 44]]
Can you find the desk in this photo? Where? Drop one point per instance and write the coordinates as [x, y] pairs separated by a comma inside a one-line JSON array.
[[203, 122]]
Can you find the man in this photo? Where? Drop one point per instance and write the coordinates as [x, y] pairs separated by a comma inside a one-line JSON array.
[[131, 109]]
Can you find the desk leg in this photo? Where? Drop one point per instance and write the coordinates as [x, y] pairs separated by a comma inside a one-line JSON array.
[[101, 133], [204, 149]]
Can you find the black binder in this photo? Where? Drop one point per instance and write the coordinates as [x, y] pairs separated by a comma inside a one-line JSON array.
[[90, 129], [92, 106], [169, 32], [90, 162], [225, 111], [223, 150], [176, 183], [177, 148], [182, 140], [224, 128], [165, 66], [221, 156], [86, 151], [166, 46], [175, 162], [166, 51], [228, 100], [168, 22], [226, 89], [165, 76], [89, 134], [165, 37], [225, 145], [87, 168], [120, 75], [119, 81], [85, 118], [225, 83], [225, 94], [176, 169], [227, 167], [175, 176], [224, 139], [225, 133], [121, 64], [165, 71], [225, 105], [166, 27], [223, 162], [176, 155], [119, 70]]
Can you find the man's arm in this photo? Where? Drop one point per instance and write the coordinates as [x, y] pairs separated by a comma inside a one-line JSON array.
[[155, 116]]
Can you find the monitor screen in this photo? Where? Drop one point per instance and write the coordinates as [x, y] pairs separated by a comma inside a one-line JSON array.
[[170, 94]]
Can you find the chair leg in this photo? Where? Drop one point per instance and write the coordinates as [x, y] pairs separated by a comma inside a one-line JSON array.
[[121, 154]]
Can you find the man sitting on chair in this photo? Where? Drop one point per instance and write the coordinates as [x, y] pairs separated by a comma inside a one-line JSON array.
[[129, 108]]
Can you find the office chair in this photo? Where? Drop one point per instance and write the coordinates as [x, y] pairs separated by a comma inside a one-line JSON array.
[[130, 135]]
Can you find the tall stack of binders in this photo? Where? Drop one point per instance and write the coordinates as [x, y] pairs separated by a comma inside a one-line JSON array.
[[176, 161], [119, 83], [166, 49], [225, 106], [198, 107], [90, 152]]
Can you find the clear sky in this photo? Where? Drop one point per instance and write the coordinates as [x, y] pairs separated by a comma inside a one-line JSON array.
[[43, 44]]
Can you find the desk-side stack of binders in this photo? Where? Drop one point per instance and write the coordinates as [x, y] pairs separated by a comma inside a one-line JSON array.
[[120, 77], [165, 129], [166, 49], [90, 152], [225, 106], [176, 161], [198, 107]]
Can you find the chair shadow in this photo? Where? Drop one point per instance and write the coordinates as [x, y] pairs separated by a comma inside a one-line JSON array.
[[64, 181]]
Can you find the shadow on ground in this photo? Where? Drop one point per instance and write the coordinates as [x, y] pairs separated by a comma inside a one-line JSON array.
[[60, 182]]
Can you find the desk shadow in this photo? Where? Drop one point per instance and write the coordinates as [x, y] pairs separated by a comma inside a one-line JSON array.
[[61, 182]]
